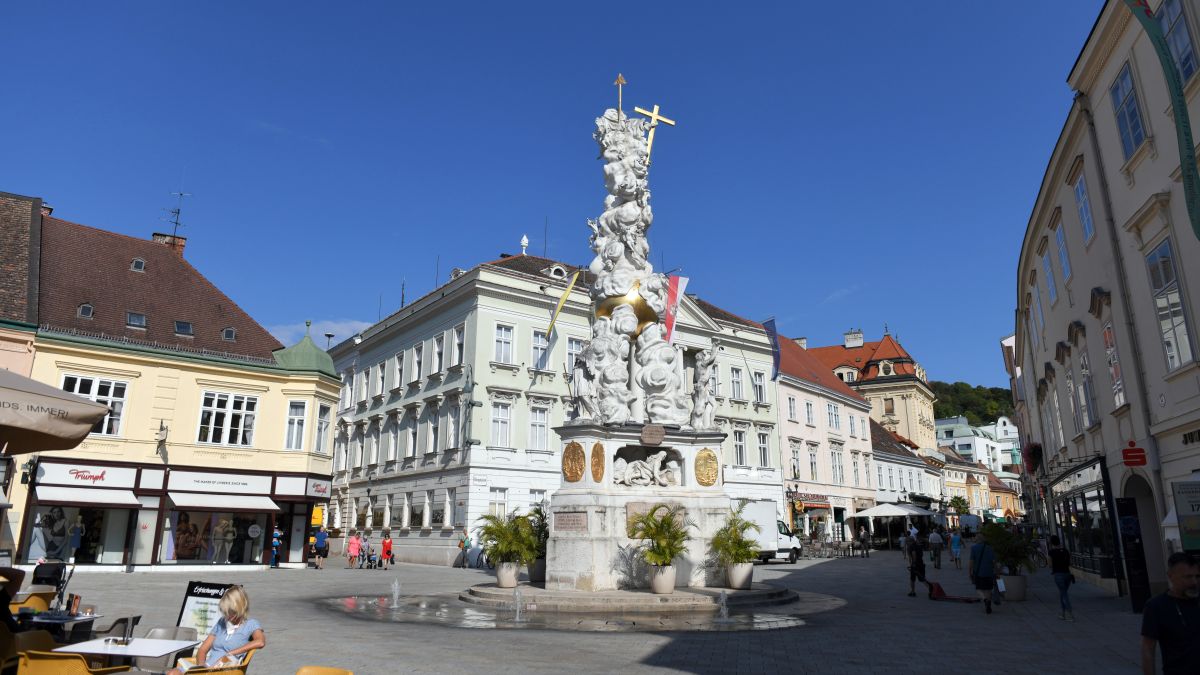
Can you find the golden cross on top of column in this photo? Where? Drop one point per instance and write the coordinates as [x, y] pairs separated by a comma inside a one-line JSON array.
[[655, 118], [620, 83]]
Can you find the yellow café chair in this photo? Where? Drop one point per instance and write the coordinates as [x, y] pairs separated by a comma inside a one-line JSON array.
[[38, 600], [59, 663], [323, 670]]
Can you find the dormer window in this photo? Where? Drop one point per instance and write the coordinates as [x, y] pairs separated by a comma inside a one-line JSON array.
[[229, 334], [886, 368], [557, 271], [183, 328], [84, 311], [138, 265], [135, 320]]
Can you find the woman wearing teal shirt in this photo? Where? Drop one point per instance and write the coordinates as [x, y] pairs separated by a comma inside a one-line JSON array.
[[234, 635]]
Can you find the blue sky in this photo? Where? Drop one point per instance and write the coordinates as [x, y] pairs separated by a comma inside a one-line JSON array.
[[833, 170]]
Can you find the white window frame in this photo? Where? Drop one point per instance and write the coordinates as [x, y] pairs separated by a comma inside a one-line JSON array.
[[539, 350], [792, 409], [1112, 358], [106, 425], [735, 384], [810, 414], [498, 501], [1064, 256], [294, 429], [739, 448], [504, 335], [418, 352], [834, 415], [539, 429], [814, 470], [1161, 298], [399, 368], [439, 353], [1051, 284], [381, 378], [245, 413], [574, 348], [764, 449], [758, 383], [324, 420], [1083, 207], [501, 425], [434, 434], [460, 344], [414, 436], [393, 451]]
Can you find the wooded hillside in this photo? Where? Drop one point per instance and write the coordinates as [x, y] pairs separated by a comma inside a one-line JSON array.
[[980, 405]]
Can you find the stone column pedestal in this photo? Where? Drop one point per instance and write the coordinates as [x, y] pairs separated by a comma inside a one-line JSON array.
[[590, 549]]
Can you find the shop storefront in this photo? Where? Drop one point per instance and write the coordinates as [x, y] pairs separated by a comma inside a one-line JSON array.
[[1084, 518], [124, 514]]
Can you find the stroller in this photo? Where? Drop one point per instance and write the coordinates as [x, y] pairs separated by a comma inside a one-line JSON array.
[[372, 559], [53, 574]]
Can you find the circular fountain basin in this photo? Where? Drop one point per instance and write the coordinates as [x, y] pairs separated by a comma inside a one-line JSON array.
[[485, 606]]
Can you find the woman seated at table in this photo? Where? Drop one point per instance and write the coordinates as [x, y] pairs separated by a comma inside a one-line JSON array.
[[234, 634]]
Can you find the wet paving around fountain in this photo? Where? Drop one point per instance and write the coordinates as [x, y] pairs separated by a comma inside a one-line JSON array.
[[447, 610]]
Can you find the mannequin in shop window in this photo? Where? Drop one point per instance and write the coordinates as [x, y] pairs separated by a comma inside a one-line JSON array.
[[58, 533], [222, 541], [75, 535], [187, 538]]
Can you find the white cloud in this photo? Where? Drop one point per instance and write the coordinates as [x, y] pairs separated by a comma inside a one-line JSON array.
[[290, 333], [840, 294]]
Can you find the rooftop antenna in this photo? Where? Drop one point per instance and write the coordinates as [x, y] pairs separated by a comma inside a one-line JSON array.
[[174, 219], [328, 340], [402, 292]]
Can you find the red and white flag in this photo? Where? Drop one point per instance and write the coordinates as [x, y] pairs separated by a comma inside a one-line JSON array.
[[675, 288]]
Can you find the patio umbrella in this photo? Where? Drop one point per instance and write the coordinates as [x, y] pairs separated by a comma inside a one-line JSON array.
[[36, 417], [888, 511]]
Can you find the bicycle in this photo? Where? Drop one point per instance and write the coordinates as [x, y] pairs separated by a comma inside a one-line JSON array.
[[481, 561], [1039, 557]]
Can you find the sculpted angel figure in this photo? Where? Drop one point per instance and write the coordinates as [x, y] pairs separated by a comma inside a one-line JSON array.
[[704, 404], [659, 376], [583, 389], [610, 364]]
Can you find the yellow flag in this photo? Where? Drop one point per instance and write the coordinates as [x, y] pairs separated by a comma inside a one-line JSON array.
[[562, 301]]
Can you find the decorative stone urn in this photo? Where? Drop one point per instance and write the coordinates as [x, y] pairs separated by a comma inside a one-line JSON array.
[[662, 579], [506, 574], [740, 576]]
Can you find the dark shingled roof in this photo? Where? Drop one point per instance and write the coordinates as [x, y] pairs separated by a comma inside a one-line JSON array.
[[719, 314], [794, 360], [885, 441], [82, 264], [534, 265]]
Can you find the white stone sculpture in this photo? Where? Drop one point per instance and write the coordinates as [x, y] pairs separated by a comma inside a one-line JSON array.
[[609, 361], [583, 388], [643, 472], [704, 403], [660, 375]]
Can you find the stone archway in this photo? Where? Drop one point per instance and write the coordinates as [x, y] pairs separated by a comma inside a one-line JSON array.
[[1138, 488]]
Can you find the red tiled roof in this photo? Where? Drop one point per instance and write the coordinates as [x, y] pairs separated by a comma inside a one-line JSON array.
[[797, 362], [865, 359], [997, 484], [81, 264]]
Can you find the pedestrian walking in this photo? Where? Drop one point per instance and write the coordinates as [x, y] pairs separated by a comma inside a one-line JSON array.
[[982, 570], [864, 540], [276, 542], [904, 547], [464, 548], [935, 549], [364, 548], [956, 546], [353, 547], [321, 547], [386, 550], [1171, 621], [916, 567], [1060, 567]]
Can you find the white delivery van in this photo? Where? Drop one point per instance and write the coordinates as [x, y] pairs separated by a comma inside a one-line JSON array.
[[775, 541]]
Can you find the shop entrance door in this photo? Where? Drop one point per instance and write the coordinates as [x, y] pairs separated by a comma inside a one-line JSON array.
[[298, 538]]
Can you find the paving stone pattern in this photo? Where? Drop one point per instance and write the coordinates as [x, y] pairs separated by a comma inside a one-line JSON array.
[[877, 630]]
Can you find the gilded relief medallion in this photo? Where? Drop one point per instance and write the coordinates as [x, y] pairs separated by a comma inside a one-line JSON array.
[[706, 467], [598, 463], [572, 463]]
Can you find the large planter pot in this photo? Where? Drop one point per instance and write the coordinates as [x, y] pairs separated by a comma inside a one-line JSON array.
[[506, 574], [537, 571], [1014, 587], [740, 575], [662, 579]]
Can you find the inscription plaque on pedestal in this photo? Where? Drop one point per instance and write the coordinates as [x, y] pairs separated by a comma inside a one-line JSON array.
[[571, 521]]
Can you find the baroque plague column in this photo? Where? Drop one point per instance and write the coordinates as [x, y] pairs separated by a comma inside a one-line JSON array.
[[641, 434]]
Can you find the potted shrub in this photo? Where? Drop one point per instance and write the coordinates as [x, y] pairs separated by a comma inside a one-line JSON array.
[[1014, 552], [734, 550], [539, 524], [664, 533], [508, 542]]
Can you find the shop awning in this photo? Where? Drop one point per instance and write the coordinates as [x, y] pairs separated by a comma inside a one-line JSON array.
[[215, 502], [74, 495]]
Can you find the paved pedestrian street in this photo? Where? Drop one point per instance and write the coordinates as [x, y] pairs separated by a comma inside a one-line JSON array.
[[878, 629]]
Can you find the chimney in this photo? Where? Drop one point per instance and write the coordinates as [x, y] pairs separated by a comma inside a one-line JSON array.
[[47, 209], [802, 342], [853, 338], [174, 241]]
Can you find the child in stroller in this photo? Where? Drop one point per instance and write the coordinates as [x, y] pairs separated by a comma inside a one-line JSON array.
[[373, 562]]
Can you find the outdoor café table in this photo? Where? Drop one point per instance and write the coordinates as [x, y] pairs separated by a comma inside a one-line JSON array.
[[56, 624], [149, 647]]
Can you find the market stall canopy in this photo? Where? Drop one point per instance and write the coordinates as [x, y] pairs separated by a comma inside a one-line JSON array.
[[887, 511], [915, 510], [36, 417]]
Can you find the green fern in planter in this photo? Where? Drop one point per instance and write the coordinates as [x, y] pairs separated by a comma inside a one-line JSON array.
[[730, 544], [664, 529], [1014, 551], [508, 538]]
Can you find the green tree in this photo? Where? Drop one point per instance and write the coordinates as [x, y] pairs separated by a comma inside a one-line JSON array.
[[980, 405], [959, 505]]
